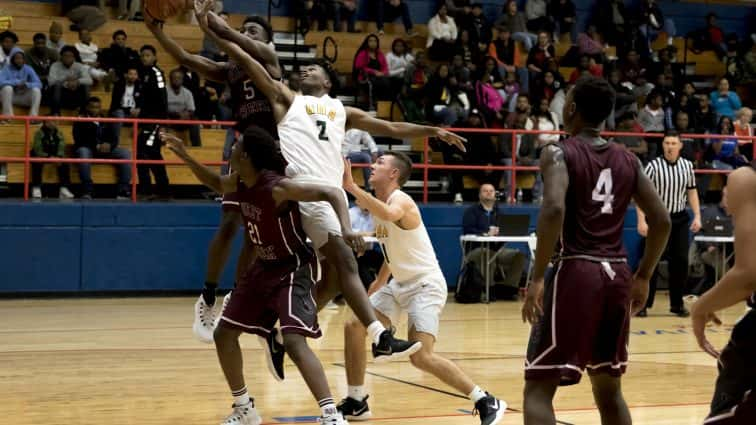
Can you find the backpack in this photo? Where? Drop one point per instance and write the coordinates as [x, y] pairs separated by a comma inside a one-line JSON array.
[[470, 284], [488, 96]]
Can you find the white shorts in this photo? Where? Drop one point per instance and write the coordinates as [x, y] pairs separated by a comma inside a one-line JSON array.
[[319, 218], [422, 301]]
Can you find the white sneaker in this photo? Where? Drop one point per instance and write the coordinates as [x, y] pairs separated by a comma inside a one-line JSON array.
[[64, 193], [458, 198], [226, 299], [204, 321], [37, 192], [243, 415], [336, 419]]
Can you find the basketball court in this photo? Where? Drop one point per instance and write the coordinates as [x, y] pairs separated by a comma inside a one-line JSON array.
[[135, 361]]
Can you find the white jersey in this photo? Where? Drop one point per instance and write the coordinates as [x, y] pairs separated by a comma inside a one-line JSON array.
[[311, 134], [409, 254]]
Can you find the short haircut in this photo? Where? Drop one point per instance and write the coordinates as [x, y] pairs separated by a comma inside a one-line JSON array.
[[148, 47], [119, 32], [263, 150], [9, 34], [594, 99], [330, 73], [671, 133], [257, 19], [94, 99], [69, 49], [175, 71], [39, 36], [403, 163]]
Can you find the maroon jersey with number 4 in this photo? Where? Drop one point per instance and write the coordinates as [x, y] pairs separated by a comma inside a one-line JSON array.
[[603, 181], [275, 230]]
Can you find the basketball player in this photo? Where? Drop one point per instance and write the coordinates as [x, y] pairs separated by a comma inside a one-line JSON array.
[[418, 288], [280, 284], [581, 318], [734, 400], [248, 107], [311, 129]]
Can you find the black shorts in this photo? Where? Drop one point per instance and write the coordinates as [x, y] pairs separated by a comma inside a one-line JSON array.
[[586, 322], [734, 400], [266, 295]]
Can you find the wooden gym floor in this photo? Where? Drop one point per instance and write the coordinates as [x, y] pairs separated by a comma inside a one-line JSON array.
[[135, 361]]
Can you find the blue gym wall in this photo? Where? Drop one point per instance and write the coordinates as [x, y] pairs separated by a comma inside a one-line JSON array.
[[108, 246]]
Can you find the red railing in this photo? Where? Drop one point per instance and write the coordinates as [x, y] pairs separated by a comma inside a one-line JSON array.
[[426, 166]]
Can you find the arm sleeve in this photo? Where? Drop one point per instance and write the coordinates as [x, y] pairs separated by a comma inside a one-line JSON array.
[[84, 78], [469, 225], [735, 101], [55, 76], [189, 101], [691, 178], [649, 171], [453, 28], [384, 65], [5, 77]]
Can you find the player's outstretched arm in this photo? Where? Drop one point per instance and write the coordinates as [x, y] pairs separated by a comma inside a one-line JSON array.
[[211, 179], [211, 70], [357, 118], [387, 212], [657, 219], [263, 52]]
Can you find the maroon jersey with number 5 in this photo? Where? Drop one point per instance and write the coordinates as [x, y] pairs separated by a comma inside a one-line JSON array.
[[603, 181]]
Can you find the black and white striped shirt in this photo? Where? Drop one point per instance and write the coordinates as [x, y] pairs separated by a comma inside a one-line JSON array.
[[672, 181]]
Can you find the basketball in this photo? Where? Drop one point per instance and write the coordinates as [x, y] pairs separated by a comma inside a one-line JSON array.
[[163, 9]]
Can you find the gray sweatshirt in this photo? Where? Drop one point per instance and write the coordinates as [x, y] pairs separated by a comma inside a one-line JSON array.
[[59, 74]]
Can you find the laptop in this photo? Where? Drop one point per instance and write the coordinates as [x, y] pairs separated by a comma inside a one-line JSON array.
[[513, 224], [717, 226]]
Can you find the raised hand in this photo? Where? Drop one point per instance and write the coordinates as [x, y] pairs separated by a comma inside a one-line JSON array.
[[452, 139]]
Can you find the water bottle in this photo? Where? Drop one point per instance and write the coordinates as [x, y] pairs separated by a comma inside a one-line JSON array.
[[519, 196]]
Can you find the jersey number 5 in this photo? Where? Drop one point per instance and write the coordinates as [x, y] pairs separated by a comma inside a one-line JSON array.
[[603, 191], [254, 234], [322, 126], [249, 90]]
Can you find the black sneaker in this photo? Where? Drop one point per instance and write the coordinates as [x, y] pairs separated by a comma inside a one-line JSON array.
[[390, 348], [642, 313], [354, 410], [490, 409], [680, 312], [274, 354]]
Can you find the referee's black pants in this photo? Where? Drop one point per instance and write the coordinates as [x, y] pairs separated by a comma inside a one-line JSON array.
[[676, 254]]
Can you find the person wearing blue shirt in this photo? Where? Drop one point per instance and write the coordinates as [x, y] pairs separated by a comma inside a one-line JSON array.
[[723, 101], [19, 84]]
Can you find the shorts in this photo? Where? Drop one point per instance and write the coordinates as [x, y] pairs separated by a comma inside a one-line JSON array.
[[734, 400], [422, 300], [586, 322], [319, 219], [266, 295]]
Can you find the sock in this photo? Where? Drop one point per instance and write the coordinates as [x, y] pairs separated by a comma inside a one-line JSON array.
[[241, 397], [375, 330], [327, 407], [356, 392], [477, 394], [208, 293]]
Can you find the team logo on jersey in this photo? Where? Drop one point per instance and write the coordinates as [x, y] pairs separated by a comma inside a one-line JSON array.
[[318, 109], [250, 211], [381, 232]]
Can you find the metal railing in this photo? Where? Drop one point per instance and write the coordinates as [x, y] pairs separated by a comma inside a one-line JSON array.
[[426, 166]]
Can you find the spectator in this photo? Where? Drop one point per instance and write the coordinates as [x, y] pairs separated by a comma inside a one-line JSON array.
[[390, 10], [19, 85], [627, 123], [462, 74], [546, 87], [564, 15], [664, 85], [371, 70], [324, 9], [589, 43], [723, 101], [69, 82], [118, 58], [586, 66], [360, 148], [49, 143], [458, 8], [519, 119], [371, 261], [611, 21], [537, 13], [705, 119], [624, 100], [543, 120], [398, 59], [480, 149], [633, 40], [154, 105], [209, 49], [84, 14], [508, 57], [634, 69], [181, 106], [514, 21], [540, 54], [481, 219], [489, 91], [710, 38], [125, 100], [127, 9], [442, 36], [479, 28], [744, 128], [749, 65], [88, 54], [90, 141], [40, 58], [692, 148], [415, 78], [55, 41], [8, 41], [346, 10], [667, 66], [652, 21], [467, 50], [444, 102], [651, 118], [724, 153]]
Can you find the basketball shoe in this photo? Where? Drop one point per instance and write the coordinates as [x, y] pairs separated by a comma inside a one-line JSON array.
[[490, 409], [390, 348], [336, 419], [355, 410], [204, 321], [243, 415], [274, 353]]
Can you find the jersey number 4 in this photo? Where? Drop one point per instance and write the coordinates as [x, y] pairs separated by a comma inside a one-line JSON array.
[[322, 126], [603, 191]]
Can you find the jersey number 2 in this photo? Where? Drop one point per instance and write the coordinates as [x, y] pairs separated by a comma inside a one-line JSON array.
[[322, 126], [254, 234], [603, 191]]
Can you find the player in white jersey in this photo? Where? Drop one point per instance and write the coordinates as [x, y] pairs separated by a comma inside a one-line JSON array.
[[417, 287], [311, 128]]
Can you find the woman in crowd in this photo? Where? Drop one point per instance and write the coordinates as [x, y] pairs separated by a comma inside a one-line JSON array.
[[444, 103], [398, 59], [442, 36], [371, 70], [743, 128]]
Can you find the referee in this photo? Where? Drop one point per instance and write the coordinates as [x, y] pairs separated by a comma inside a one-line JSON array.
[[675, 181]]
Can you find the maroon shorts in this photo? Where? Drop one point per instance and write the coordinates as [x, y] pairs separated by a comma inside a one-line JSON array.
[[586, 322], [269, 294]]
